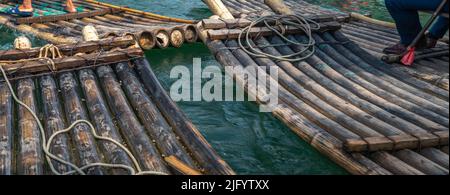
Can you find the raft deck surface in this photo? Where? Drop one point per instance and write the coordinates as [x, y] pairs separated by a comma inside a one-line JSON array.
[[344, 96], [123, 100], [51, 23], [431, 65]]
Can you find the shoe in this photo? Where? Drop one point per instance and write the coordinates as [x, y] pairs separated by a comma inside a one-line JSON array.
[[15, 11], [396, 49]]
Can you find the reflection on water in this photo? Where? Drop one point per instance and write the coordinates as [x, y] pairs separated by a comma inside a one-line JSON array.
[[250, 141]]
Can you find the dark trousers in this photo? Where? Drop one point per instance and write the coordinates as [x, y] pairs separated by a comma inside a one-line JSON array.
[[406, 16]]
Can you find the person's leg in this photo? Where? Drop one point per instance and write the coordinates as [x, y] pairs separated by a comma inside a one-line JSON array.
[[439, 28], [26, 6], [405, 14], [70, 7]]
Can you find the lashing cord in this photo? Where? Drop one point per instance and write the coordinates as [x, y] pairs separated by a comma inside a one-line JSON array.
[[46, 144], [281, 22]]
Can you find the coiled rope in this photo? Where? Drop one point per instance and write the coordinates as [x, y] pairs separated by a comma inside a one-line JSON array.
[[278, 24], [46, 144]]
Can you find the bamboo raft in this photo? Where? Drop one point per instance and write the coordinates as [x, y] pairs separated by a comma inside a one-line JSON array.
[[368, 116], [118, 92], [58, 27], [370, 34]]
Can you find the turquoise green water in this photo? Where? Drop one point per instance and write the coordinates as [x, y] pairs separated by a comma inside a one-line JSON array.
[[250, 141]]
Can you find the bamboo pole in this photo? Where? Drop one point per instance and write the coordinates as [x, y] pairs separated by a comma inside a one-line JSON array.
[[241, 7], [70, 49], [279, 7], [393, 164], [54, 122], [133, 131], [76, 61], [314, 135], [221, 34], [376, 28], [377, 37], [82, 139], [421, 163], [162, 38], [177, 37], [43, 35], [190, 33], [150, 15], [351, 110], [189, 135], [286, 80], [398, 78], [180, 166], [409, 101], [233, 11], [218, 8], [155, 124], [374, 144], [373, 141], [135, 18], [103, 121], [6, 131], [372, 31], [367, 162], [361, 17], [29, 160], [146, 39], [436, 156]]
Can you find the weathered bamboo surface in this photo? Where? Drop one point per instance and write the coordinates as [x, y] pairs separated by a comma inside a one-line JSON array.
[[366, 115], [124, 101], [109, 20], [431, 64], [256, 8]]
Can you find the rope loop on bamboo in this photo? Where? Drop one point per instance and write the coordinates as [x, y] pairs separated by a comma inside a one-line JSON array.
[[279, 24]]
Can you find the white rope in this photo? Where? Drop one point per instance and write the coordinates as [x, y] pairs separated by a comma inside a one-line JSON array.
[[80, 170], [274, 21]]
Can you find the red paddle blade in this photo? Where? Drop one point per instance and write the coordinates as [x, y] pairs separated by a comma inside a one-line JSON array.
[[408, 58]]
